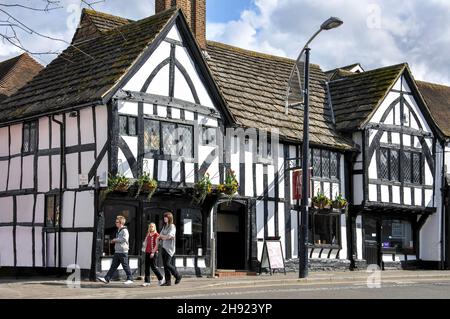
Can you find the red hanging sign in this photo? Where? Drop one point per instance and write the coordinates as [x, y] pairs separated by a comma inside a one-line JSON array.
[[297, 178]]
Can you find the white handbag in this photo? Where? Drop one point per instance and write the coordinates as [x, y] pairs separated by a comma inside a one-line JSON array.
[[144, 245]]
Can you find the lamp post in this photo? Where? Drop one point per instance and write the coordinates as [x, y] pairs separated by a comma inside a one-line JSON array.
[[329, 24]]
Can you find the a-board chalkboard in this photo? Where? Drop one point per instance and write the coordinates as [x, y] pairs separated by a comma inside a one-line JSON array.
[[272, 256]]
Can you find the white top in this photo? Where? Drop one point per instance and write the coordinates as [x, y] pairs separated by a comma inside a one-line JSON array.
[[169, 245]]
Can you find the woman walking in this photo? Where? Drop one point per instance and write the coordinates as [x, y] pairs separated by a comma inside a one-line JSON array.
[[151, 243], [168, 249]]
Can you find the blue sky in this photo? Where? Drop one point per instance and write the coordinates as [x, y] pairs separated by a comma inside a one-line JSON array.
[[375, 32]]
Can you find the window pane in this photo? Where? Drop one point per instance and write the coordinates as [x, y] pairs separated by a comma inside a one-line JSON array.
[[316, 163], [325, 230], [417, 168], [326, 164], [50, 205], [383, 165], [169, 139], [57, 211], [334, 165], [395, 166], [184, 146], [397, 234], [406, 167], [151, 136], [189, 232], [132, 124], [123, 125], [32, 146], [26, 137], [209, 136]]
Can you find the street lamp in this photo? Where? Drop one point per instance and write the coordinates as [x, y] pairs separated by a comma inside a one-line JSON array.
[[329, 24]]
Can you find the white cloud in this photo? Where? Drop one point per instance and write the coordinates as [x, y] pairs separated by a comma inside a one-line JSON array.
[[375, 33]]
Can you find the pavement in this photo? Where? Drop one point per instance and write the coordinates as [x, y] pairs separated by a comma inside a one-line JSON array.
[[354, 284]]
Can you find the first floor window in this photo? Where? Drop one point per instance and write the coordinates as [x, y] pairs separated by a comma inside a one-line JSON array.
[[168, 138], [52, 211], [325, 164], [127, 125], [29, 140], [324, 229], [397, 234], [208, 135], [389, 164]]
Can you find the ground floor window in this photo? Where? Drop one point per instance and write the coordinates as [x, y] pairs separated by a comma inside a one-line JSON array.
[[323, 229], [52, 211], [189, 223], [110, 229], [397, 234]]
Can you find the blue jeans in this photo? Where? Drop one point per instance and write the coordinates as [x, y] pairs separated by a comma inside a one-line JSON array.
[[119, 258]]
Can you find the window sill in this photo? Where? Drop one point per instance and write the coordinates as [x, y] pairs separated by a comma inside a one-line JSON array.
[[325, 246]]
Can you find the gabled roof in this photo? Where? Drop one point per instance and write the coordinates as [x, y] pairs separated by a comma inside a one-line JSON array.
[[16, 72], [86, 73], [254, 87], [94, 24], [356, 96], [437, 98]]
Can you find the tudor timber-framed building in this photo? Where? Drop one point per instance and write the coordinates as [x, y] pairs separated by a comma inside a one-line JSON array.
[[136, 84]]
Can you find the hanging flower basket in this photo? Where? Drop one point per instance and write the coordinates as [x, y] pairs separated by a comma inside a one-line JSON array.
[[202, 189], [146, 185], [320, 201], [230, 187], [119, 184], [340, 202]]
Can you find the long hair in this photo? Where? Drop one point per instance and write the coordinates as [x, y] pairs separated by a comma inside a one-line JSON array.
[[149, 225], [169, 216]]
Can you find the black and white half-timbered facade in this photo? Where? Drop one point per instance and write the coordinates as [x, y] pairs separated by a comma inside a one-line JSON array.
[[154, 97], [396, 178]]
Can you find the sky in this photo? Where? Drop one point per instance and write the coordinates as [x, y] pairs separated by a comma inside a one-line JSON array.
[[375, 33]]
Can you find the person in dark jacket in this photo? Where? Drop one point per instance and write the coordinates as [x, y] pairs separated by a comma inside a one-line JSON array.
[[121, 247]]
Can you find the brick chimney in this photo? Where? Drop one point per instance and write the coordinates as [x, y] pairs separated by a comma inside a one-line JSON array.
[[195, 12]]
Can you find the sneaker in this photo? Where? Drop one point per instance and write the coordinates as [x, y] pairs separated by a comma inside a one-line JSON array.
[[103, 280], [145, 284], [128, 282], [177, 281], [162, 282], [166, 284]]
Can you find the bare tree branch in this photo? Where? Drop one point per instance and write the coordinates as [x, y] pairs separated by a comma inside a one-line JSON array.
[[10, 25]]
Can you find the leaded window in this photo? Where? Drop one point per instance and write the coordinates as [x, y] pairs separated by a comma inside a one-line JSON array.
[[406, 163], [333, 165], [151, 136], [29, 140], [317, 163], [209, 135], [395, 165], [383, 167], [417, 168], [127, 125], [325, 163], [184, 142], [169, 136]]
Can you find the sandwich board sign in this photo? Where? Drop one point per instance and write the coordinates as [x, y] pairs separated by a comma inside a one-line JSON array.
[[272, 255]]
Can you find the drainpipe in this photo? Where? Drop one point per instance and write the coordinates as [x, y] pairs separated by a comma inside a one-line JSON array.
[[62, 168], [443, 219]]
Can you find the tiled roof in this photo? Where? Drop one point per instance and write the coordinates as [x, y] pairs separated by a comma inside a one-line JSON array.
[[254, 87], [437, 98], [94, 24], [16, 72], [356, 96], [86, 73]]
